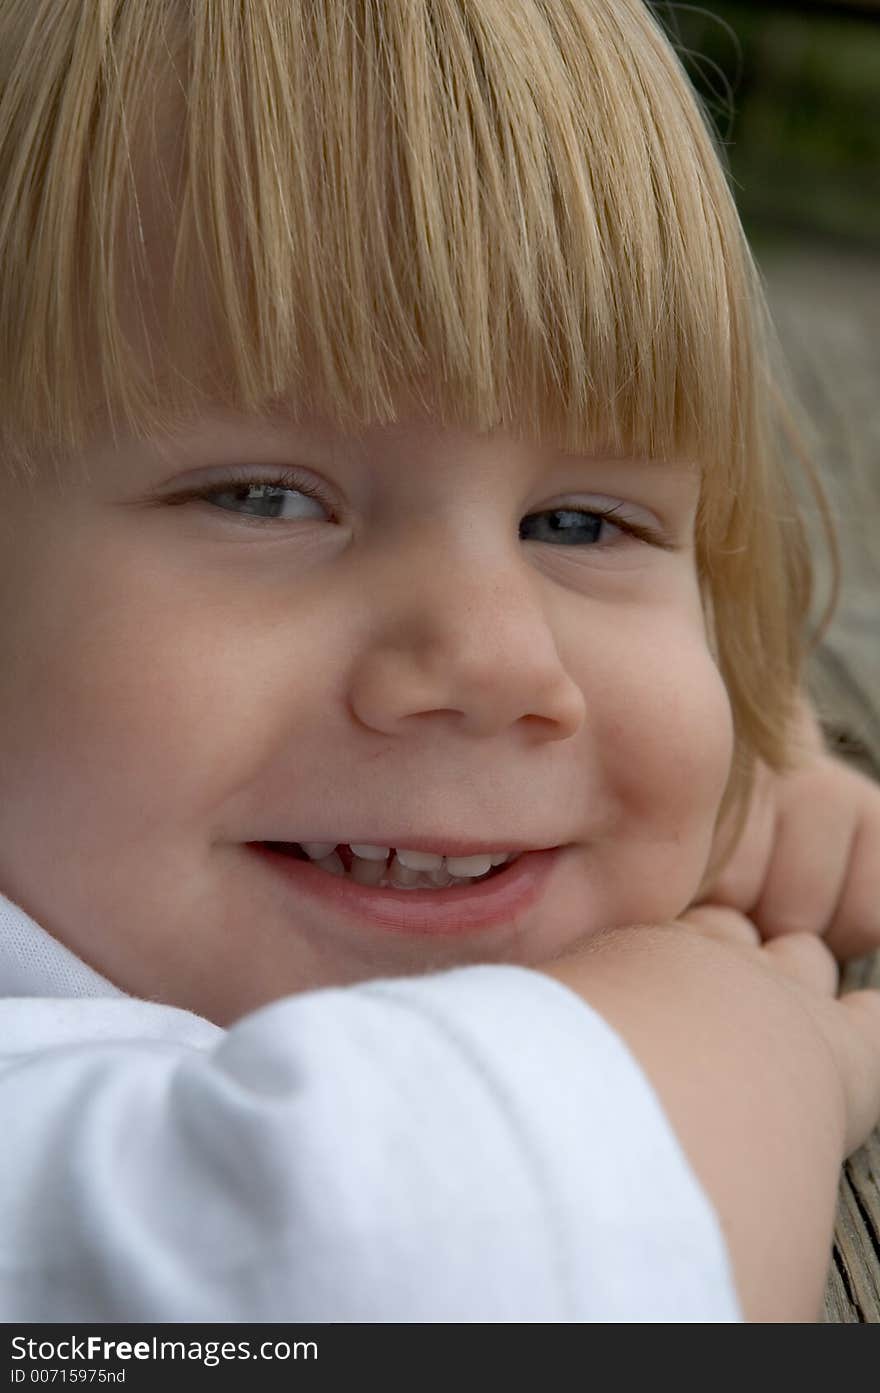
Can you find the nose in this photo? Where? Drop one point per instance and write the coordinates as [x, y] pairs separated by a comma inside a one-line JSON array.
[[468, 644]]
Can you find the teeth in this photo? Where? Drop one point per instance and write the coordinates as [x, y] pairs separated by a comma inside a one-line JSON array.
[[332, 863], [317, 851], [402, 875], [414, 860], [468, 865], [419, 860], [367, 872], [371, 853], [408, 869]]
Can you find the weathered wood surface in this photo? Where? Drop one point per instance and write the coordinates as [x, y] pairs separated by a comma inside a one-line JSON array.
[[827, 309]]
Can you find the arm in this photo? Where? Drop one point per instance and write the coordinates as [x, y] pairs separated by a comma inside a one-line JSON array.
[[466, 1146], [768, 1080]]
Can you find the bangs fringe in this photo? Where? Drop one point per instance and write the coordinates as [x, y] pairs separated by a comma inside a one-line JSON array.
[[493, 208]]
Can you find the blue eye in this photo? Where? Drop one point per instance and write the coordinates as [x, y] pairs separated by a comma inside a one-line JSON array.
[[265, 500], [270, 501], [575, 527], [571, 527]]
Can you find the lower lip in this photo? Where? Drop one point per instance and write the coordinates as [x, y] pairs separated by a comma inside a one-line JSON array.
[[457, 911]]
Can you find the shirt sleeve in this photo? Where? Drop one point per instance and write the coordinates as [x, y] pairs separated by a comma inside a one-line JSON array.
[[476, 1145]]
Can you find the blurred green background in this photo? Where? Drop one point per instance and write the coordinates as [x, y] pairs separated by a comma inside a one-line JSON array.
[[794, 90]]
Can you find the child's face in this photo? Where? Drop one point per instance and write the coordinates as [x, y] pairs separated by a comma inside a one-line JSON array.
[[408, 660]]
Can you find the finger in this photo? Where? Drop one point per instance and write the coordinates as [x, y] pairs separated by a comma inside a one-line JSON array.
[[806, 959], [809, 862], [723, 924], [854, 929]]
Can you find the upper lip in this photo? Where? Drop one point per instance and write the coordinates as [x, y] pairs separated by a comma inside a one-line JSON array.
[[439, 846]]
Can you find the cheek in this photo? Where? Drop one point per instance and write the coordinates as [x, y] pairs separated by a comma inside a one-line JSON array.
[[668, 735], [118, 703], [151, 705]]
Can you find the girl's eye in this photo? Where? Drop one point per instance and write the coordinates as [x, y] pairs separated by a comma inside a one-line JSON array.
[[576, 527], [287, 499]]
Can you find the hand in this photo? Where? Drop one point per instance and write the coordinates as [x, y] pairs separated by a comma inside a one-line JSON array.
[[808, 860], [850, 1025], [767, 1079]]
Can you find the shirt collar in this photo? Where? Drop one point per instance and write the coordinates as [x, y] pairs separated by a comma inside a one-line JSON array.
[[33, 963]]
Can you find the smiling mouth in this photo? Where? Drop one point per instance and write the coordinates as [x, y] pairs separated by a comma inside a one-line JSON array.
[[388, 868], [489, 898]]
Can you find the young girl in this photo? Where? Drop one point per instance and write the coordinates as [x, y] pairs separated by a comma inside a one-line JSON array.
[[402, 579]]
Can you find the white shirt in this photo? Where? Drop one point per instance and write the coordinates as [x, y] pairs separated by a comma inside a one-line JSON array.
[[474, 1145]]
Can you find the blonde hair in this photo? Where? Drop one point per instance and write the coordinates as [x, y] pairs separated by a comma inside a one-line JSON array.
[[517, 202]]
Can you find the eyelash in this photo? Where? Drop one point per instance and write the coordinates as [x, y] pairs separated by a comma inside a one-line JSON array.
[[640, 531]]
